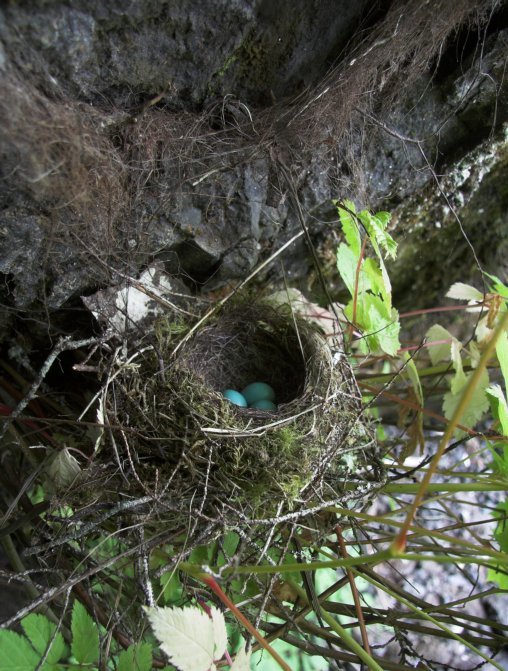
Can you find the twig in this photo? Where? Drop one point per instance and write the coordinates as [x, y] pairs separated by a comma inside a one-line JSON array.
[[354, 591], [64, 344]]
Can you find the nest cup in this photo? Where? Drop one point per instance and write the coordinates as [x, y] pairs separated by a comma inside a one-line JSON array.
[[248, 345], [171, 424], [179, 468]]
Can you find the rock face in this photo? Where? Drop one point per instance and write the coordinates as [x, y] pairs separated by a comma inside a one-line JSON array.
[[185, 132]]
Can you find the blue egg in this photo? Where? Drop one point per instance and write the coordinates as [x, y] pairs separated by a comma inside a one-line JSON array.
[[264, 405], [235, 397], [258, 391]]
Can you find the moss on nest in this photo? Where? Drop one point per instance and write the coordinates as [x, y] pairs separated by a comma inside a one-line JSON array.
[[173, 435]]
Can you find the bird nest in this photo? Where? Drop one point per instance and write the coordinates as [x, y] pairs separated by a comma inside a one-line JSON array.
[[184, 452]]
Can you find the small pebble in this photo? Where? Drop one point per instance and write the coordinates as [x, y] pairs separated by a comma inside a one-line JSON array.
[[235, 397]]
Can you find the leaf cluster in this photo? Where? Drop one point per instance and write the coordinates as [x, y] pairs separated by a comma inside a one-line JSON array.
[[43, 647], [370, 308]]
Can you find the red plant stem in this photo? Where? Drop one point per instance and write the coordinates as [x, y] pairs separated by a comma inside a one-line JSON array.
[[434, 343], [6, 411], [443, 308], [357, 278], [208, 580]]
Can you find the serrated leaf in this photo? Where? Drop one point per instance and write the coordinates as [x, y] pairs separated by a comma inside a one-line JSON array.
[[384, 217], [242, 660], [375, 225], [137, 657], [476, 408], [464, 292], [350, 228], [190, 638], [85, 636], [441, 351], [381, 329], [39, 630], [16, 652]]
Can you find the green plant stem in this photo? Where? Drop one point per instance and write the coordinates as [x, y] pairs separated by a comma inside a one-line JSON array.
[[445, 488], [490, 557], [429, 618], [338, 629], [415, 531], [400, 541], [296, 567]]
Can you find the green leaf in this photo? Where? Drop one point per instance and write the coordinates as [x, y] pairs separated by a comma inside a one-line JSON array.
[[350, 228], [412, 373], [171, 588], [441, 352], [476, 408], [137, 657], [39, 631], [376, 280], [16, 652], [464, 292], [498, 287], [499, 409], [347, 264], [501, 532], [499, 406], [501, 535], [502, 356], [388, 334], [384, 218], [201, 555], [380, 327], [85, 636], [230, 543], [375, 225]]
